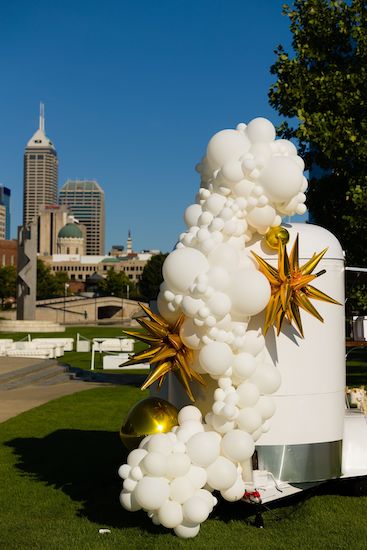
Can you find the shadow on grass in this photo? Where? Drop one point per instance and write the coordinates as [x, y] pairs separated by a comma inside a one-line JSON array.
[[83, 464]]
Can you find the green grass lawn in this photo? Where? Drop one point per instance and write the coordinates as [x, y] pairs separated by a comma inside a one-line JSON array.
[[59, 486]]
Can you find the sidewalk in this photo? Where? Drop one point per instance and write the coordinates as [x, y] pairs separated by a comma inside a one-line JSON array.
[[17, 400]]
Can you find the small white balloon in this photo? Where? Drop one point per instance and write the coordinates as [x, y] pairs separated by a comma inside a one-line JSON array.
[[249, 419], [244, 365], [260, 129], [187, 530], [235, 492], [226, 146], [197, 476], [189, 413], [267, 378], [248, 394], [135, 457], [266, 407], [124, 471], [219, 304], [155, 464], [129, 502], [254, 342], [160, 443]]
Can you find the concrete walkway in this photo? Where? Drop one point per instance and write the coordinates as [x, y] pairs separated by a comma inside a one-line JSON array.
[[17, 400]]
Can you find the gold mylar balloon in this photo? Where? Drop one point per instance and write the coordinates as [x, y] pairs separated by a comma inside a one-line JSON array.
[[276, 234], [149, 416]]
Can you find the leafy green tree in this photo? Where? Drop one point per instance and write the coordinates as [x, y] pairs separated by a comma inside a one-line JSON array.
[[48, 284], [322, 89], [152, 277], [8, 283], [114, 284]]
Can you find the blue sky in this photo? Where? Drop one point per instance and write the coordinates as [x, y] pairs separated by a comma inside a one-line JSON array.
[[133, 91]]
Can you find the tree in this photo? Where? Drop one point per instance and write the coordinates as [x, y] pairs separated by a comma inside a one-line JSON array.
[[48, 284], [8, 283], [323, 90], [152, 277], [114, 284]]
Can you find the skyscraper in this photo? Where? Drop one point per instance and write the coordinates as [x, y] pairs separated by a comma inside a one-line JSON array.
[[85, 199], [40, 172], [5, 204]]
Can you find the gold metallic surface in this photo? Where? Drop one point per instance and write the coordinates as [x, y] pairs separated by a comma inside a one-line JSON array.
[[166, 351], [290, 288], [276, 234], [149, 416]]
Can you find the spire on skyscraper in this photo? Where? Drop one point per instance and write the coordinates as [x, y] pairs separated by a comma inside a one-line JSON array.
[[42, 117], [129, 244]]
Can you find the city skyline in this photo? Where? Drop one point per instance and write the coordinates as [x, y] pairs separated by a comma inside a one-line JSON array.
[[132, 97]]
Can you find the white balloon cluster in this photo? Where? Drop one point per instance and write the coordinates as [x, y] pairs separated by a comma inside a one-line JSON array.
[[249, 180]]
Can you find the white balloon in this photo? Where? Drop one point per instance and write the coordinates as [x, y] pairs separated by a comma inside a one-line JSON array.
[[135, 457], [197, 476], [189, 413], [182, 266], [215, 358], [190, 334], [129, 502], [181, 489], [267, 378], [124, 471], [222, 425], [208, 497], [261, 217], [224, 256], [187, 531], [214, 203], [249, 419], [219, 278], [203, 448], [244, 365], [152, 492], [266, 407], [226, 146], [129, 485], [221, 474], [250, 292], [155, 464], [185, 432], [136, 473], [165, 311], [232, 171], [260, 129], [192, 214], [285, 146], [170, 514], [248, 394], [196, 509], [219, 304], [237, 445], [235, 492], [244, 188], [160, 443], [281, 178], [254, 342]]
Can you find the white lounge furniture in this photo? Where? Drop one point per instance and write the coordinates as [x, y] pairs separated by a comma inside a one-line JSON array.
[[66, 343], [111, 346]]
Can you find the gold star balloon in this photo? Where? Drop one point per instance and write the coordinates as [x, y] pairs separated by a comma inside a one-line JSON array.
[[290, 288], [166, 351]]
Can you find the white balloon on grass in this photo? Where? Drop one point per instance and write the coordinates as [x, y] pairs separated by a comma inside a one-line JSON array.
[[236, 491], [181, 489], [129, 502], [196, 509], [203, 448], [197, 476], [187, 530]]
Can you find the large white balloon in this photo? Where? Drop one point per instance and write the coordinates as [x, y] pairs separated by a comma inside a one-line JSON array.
[[282, 178], [226, 146], [155, 464], [181, 489], [250, 292], [203, 448], [235, 492], [192, 214], [267, 378], [249, 419], [216, 358], [260, 129], [170, 514], [196, 509], [237, 445], [221, 474], [152, 492], [182, 266]]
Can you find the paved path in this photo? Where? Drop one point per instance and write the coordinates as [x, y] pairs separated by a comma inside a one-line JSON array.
[[18, 400]]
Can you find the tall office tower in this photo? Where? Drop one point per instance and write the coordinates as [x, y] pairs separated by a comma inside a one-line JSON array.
[[40, 172], [85, 199], [5, 202]]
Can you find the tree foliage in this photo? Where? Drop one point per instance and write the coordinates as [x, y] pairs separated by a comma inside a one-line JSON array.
[[114, 284], [322, 89], [152, 277], [49, 285], [8, 283]]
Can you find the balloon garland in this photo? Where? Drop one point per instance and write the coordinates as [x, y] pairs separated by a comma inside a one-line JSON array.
[[212, 287]]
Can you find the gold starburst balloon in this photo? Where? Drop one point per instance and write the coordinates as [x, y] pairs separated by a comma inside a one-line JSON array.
[[166, 351], [290, 288]]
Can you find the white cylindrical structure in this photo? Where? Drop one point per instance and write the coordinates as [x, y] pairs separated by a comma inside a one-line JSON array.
[[304, 442]]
